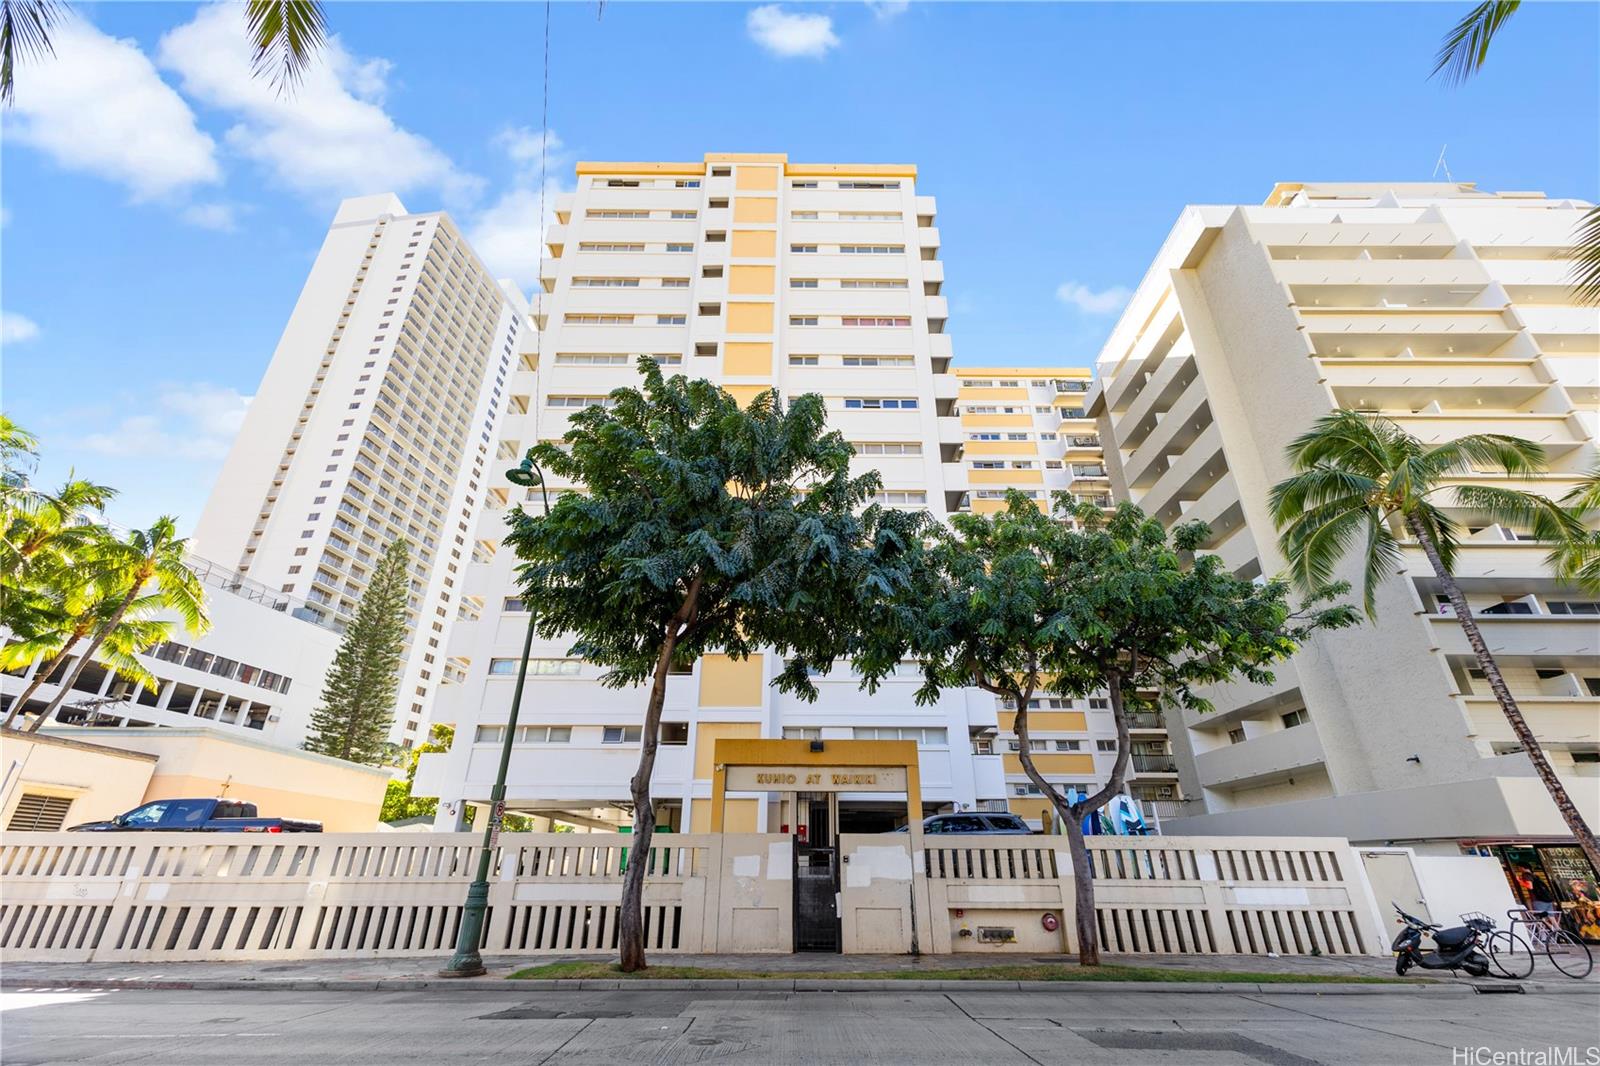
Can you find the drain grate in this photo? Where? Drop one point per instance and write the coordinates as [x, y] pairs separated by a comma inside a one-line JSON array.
[[1144, 1040]]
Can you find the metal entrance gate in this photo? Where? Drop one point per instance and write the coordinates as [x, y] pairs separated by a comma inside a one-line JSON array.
[[816, 879]]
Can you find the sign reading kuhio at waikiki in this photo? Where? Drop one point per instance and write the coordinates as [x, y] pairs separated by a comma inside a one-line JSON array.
[[816, 779]]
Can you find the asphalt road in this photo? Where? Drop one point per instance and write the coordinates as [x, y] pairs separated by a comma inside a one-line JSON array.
[[512, 1027]]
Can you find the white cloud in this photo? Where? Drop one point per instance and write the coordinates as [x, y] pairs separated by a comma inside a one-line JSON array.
[[194, 421], [330, 136], [15, 328], [788, 35], [99, 106], [220, 217], [1092, 301], [884, 10], [509, 233]]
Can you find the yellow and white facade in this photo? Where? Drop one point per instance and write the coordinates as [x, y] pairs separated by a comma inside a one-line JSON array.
[[754, 272], [1447, 309]]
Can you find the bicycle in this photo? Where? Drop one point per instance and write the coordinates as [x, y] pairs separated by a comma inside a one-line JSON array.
[[1567, 953], [1509, 954]]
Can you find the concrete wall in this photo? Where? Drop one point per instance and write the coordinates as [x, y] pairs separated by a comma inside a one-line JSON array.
[[100, 781], [344, 797]]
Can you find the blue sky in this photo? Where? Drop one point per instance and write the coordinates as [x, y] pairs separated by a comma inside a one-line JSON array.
[[160, 210]]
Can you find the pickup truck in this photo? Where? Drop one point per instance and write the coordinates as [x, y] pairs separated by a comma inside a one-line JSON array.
[[197, 816]]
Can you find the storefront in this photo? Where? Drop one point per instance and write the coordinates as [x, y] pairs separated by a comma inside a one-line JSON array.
[[1549, 878]]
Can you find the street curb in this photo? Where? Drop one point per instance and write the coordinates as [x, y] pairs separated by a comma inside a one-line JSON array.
[[798, 984]]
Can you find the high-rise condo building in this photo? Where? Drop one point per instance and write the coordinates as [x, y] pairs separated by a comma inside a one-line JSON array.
[[756, 272], [1446, 309], [374, 422]]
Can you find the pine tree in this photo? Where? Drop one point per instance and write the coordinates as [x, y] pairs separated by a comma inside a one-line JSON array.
[[353, 717]]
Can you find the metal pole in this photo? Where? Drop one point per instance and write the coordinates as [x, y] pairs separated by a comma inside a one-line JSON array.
[[467, 962]]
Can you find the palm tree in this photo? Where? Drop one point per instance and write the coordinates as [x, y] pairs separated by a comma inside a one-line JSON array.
[[1577, 559], [1462, 53], [154, 555], [1363, 478], [285, 34]]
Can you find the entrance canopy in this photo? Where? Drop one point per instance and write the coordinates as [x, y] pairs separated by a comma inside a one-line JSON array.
[[816, 766]]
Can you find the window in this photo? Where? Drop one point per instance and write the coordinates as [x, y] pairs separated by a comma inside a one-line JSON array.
[[869, 185], [1069, 745], [687, 183], [802, 320], [802, 185], [871, 249], [803, 249], [536, 667], [869, 216], [674, 283], [802, 360], [489, 734], [580, 401], [1099, 703], [803, 216], [926, 737], [598, 320], [544, 734], [872, 283], [39, 814], [675, 733], [711, 272], [1574, 606], [672, 320], [622, 183], [870, 320], [1105, 745], [594, 213], [619, 734], [1294, 718], [685, 214], [802, 283], [680, 247], [609, 246], [901, 497], [605, 283], [801, 732], [888, 447], [880, 403], [514, 605]]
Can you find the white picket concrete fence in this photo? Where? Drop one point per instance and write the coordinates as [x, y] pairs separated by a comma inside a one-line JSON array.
[[177, 896]]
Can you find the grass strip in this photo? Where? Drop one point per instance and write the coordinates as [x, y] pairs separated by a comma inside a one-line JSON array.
[[579, 971]]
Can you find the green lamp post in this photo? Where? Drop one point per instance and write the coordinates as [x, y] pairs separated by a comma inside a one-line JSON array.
[[467, 962]]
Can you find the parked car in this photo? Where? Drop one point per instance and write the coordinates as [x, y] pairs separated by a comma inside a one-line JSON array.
[[984, 824], [197, 816]]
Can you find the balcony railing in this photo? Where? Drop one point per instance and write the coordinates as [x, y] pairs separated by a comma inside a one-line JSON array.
[[1155, 764], [1145, 720]]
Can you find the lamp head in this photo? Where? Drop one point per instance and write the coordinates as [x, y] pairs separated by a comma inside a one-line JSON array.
[[525, 474]]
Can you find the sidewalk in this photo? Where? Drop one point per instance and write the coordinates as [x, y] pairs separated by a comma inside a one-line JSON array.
[[789, 972]]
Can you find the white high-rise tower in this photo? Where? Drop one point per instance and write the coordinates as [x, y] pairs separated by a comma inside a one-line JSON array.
[[373, 422]]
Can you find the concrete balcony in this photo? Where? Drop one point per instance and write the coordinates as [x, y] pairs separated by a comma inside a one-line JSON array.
[[1162, 391], [1148, 351], [1173, 434], [1543, 272], [1194, 471], [927, 237], [937, 307], [940, 346], [933, 270], [1553, 719], [1406, 320], [1209, 507], [1153, 764], [1363, 234], [1456, 273], [1545, 320], [556, 238], [1545, 635], [1555, 432], [1273, 754]]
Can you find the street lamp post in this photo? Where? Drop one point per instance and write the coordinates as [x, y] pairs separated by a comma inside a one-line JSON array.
[[467, 962]]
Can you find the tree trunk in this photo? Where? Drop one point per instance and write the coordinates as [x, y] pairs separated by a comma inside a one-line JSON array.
[[1508, 704], [1071, 817], [100, 636], [630, 927], [40, 676]]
